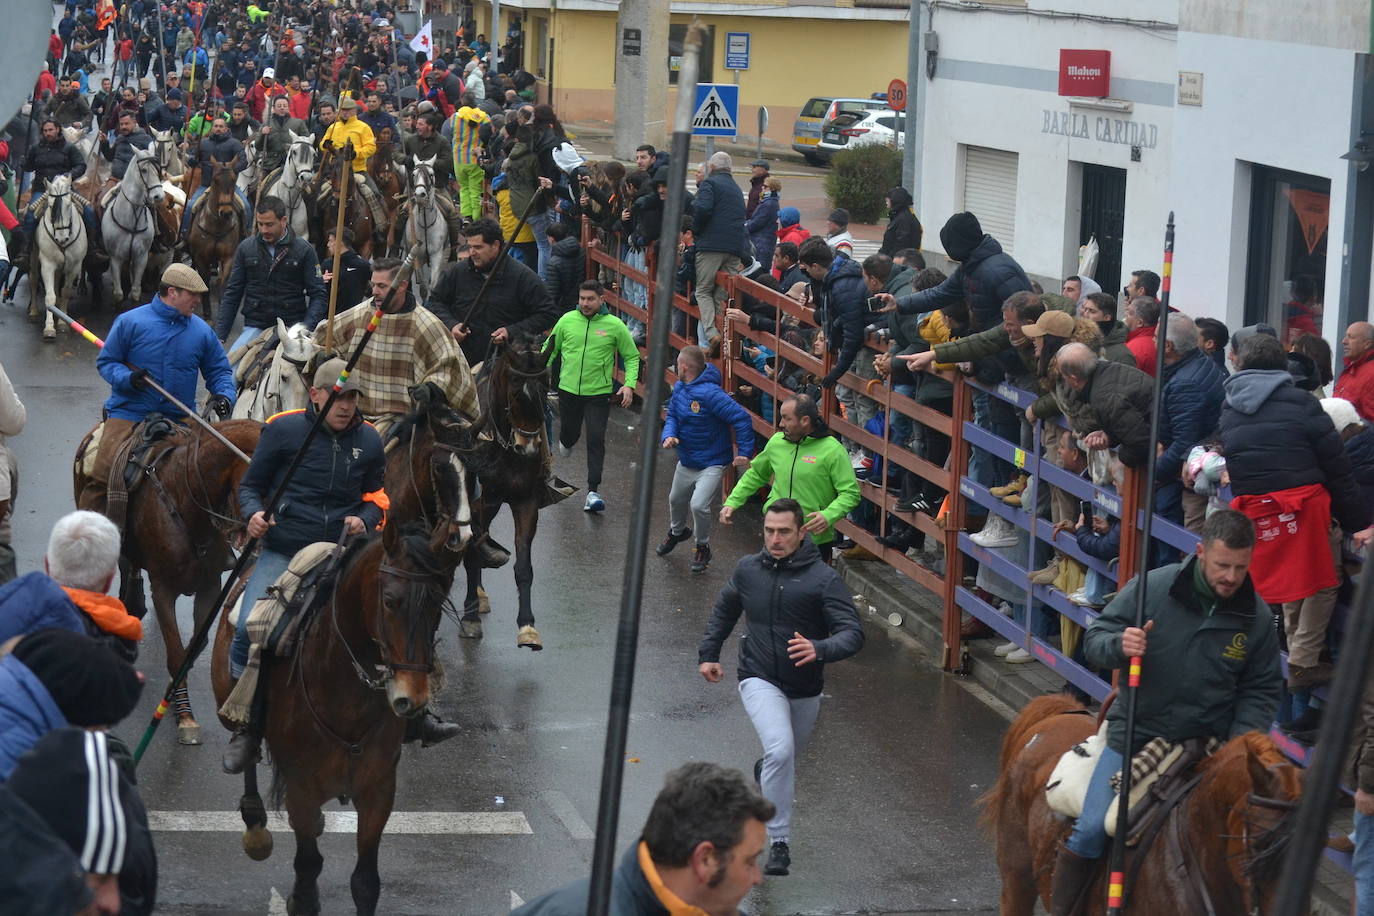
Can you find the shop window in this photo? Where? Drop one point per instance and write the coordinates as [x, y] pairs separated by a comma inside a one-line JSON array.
[[1286, 255], [677, 34]]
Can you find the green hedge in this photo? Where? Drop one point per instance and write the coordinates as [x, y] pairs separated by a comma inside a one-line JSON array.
[[860, 178]]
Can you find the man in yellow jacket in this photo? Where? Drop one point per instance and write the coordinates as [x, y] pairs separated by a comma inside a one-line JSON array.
[[348, 127]]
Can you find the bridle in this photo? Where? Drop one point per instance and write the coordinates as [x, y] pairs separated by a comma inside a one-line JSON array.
[[303, 173], [139, 207], [1258, 801], [61, 217], [506, 439]]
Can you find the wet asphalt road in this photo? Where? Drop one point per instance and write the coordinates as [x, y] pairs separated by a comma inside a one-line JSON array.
[[885, 818]]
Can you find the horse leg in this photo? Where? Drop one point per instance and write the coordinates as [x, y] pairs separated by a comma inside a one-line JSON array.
[[116, 278], [131, 589], [374, 804], [49, 271], [307, 821], [165, 604], [257, 840], [470, 624], [139, 261], [526, 515]]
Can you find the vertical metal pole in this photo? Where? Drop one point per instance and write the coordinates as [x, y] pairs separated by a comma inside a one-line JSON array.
[[915, 135], [627, 635]]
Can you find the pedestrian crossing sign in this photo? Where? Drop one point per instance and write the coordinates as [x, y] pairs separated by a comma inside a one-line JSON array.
[[716, 113]]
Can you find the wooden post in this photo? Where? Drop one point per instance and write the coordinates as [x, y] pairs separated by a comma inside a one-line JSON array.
[[344, 176]]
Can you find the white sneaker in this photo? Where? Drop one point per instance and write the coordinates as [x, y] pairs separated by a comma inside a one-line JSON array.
[[1080, 597], [998, 532], [594, 502], [1005, 649], [1019, 656], [563, 450]]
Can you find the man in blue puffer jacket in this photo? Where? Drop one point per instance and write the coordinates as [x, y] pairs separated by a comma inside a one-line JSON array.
[[167, 341], [1190, 407], [700, 417], [718, 226]]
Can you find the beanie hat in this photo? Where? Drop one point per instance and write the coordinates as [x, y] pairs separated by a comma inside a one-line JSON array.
[[69, 779], [440, 64], [88, 682], [1341, 412], [789, 216], [839, 216], [961, 234], [173, 93]]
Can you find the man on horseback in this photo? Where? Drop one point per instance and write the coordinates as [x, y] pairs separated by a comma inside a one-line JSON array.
[[1212, 672], [218, 149], [167, 341], [274, 140], [129, 138], [350, 127], [52, 156], [337, 488], [424, 144], [276, 274], [411, 359]]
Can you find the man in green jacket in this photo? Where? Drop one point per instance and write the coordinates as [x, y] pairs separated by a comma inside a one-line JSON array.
[[588, 340], [806, 463], [1212, 671]]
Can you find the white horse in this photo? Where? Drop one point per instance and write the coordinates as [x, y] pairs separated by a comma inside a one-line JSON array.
[[83, 138], [426, 225], [270, 371], [61, 248], [127, 224], [169, 158], [297, 171], [251, 175]]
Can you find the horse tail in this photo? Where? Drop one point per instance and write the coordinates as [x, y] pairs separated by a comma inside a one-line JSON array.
[[1022, 729]]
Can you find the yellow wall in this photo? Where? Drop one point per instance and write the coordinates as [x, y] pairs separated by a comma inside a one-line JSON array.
[[790, 58]]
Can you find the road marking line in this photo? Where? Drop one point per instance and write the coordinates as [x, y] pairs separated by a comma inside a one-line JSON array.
[[276, 905], [515, 901], [486, 823], [566, 812]]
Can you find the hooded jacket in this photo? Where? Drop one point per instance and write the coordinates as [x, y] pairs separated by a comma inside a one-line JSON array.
[[35, 602], [588, 347], [700, 416], [842, 309], [778, 597], [986, 275], [564, 273], [816, 472], [903, 228], [718, 214], [1276, 437]]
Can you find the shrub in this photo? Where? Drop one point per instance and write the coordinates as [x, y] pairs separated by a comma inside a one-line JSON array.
[[860, 178]]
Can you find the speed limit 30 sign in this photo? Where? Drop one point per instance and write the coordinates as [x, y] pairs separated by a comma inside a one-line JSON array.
[[896, 95]]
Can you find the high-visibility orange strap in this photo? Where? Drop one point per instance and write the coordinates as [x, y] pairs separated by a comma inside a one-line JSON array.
[[285, 413], [379, 499]]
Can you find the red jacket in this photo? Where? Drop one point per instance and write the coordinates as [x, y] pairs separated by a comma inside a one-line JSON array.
[[300, 106], [1356, 384], [55, 46], [1292, 558], [794, 234], [1141, 343], [258, 95], [45, 81]]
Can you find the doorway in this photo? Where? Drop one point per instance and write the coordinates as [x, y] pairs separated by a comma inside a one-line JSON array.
[[1104, 217], [1286, 255]]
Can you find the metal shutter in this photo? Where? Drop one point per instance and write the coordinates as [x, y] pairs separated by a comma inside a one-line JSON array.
[[990, 191]]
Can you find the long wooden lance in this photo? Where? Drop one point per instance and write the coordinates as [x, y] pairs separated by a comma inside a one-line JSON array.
[[201, 638], [152, 383], [1116, 882]]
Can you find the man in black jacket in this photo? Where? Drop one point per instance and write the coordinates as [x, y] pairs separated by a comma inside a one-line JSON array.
[[841, 297], [218, 150], [515, 302], [276, 274], [566, 269], [355, 272], [785, 588]]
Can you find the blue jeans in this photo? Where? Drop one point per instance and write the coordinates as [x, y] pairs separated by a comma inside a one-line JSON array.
[[30, 223], [1363, 865], [902, 425], [195, 196], [539, 225], [1089, 837], [245, 337], [270, 565]]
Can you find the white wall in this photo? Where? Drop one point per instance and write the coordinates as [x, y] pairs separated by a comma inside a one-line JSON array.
[[965, 111], [1272, 103]]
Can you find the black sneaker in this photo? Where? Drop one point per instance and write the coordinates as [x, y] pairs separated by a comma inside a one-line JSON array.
[[701, 558], [671, 541], [779, 859]]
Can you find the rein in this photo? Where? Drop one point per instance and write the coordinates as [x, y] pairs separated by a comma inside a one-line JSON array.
[[139, 207]]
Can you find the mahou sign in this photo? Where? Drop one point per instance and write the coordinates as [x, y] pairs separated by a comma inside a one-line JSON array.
[[1085, 73]]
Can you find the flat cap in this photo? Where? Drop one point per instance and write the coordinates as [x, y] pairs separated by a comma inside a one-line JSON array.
[[328, 373], [184, 276]]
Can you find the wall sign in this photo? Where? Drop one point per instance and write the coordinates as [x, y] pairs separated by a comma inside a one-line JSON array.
[[1190, 88], [630, 42], [1104, 129], [1085, 73]]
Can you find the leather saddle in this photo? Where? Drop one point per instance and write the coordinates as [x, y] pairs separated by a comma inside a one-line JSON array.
[[144, 449]]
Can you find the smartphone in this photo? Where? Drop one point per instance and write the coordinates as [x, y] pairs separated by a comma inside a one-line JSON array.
[[875, 304]]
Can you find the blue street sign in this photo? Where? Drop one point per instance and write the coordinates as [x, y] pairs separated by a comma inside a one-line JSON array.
[[736, 50], [716, 113]]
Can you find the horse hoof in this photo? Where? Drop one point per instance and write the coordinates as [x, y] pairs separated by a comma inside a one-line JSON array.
[[470, 629], [529, 638], [257, 843], [188, 732], [483, 602], [299, 904], [49, 335]]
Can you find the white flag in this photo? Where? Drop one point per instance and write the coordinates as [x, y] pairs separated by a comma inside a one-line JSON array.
[[424, 40]]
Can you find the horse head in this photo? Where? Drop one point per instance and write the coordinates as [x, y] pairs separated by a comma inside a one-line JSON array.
[[1260, 788], [145, 175], [519, 389], [165, 149], [413, 582], [58, 193], [422, 180], [297, 343], [301, 154], [222, 189]]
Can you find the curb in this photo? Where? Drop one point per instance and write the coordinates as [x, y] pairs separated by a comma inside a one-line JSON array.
[[883, 594]]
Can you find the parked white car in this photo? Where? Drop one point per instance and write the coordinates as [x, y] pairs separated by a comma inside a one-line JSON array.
[[863, 128]]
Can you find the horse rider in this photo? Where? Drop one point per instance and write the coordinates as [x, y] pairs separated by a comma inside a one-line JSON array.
[[167, 341], [276, 274], [129, 138], [242, 127], [170, 115], [427, 143], [411, 358], [1212, 671], [218, 149], [337, 488], [274, 140], [349, 127], [50, 157], [69, 107], [516, 301]]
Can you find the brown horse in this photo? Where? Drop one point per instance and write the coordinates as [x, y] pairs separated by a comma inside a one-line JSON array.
[[357, 214], [217, 228], [425, 475], [334, 718], [1232, 828], [382, 168], [512, 463], [177, 527]]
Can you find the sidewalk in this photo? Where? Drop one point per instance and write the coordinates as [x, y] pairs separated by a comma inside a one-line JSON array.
[[889, 600]]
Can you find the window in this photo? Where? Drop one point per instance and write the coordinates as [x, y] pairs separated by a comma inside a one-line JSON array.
[[816, 108], [1286, 257], [990, 191], [677, 34]]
